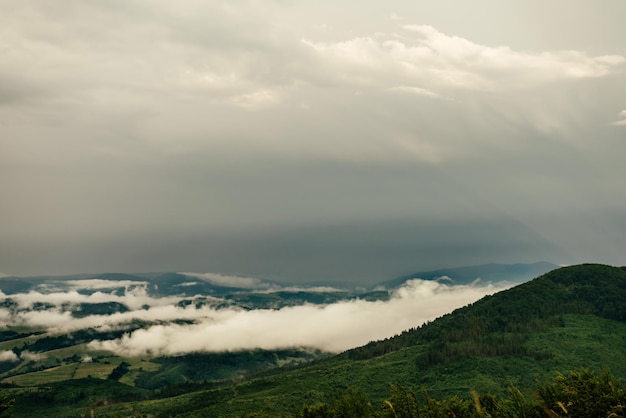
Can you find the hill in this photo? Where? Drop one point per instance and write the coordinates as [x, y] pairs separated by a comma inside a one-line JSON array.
[[499, 324]]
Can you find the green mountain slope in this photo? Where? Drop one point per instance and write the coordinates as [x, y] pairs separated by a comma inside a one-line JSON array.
[[500, 324]]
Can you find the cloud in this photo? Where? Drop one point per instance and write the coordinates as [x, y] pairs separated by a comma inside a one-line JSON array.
[[56, 320], [141, 52], [229, 281], [134, 298], [104, 284], [622, 119], [294, 289], [187, 284], [415, 90], [333, 327], [147, 81], [8, 356], [428, 56]]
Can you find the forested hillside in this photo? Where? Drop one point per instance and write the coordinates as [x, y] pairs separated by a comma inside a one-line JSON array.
[[500, 324]]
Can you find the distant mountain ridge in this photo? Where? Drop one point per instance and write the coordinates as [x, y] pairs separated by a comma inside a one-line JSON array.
[[157, 284], [492, 272], [247, 292], [169, 283]]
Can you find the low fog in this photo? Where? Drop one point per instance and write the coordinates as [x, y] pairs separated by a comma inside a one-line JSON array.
[[333, 327]]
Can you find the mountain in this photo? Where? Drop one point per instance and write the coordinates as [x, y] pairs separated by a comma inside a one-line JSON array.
[[515, 273], [159, 284], [248, 289], [569, 318], [566, 319], [517, 312]]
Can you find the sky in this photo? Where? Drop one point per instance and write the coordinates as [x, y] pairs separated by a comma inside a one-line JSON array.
[[310, 141]]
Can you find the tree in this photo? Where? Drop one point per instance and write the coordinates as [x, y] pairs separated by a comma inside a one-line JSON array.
[[6, 406], [583, 394]]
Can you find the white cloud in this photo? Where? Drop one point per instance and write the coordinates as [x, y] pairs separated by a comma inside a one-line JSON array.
[[134, 299], [55, 320], [9, 356], [103, 284], [227, 80], [188, 284], [334, 327], [415, 90], [232, 281], [622, 119], [313, 289], [6, 317], [435, 58]]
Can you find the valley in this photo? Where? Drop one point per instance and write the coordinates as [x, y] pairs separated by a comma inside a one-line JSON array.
[[567, 319]]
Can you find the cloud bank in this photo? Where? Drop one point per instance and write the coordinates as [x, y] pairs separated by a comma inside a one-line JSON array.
[[429, 57], [230, 281], [154, 79], [333, 327]]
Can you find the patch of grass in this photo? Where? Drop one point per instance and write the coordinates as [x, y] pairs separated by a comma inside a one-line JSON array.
[[73, 398], [11, 344], [53, 374], [96, 370], [137, 367]]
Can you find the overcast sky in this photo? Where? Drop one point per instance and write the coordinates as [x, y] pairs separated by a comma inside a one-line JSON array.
[[309, 140]]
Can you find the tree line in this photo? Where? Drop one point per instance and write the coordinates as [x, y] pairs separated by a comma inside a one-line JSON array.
[[579, 394]]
